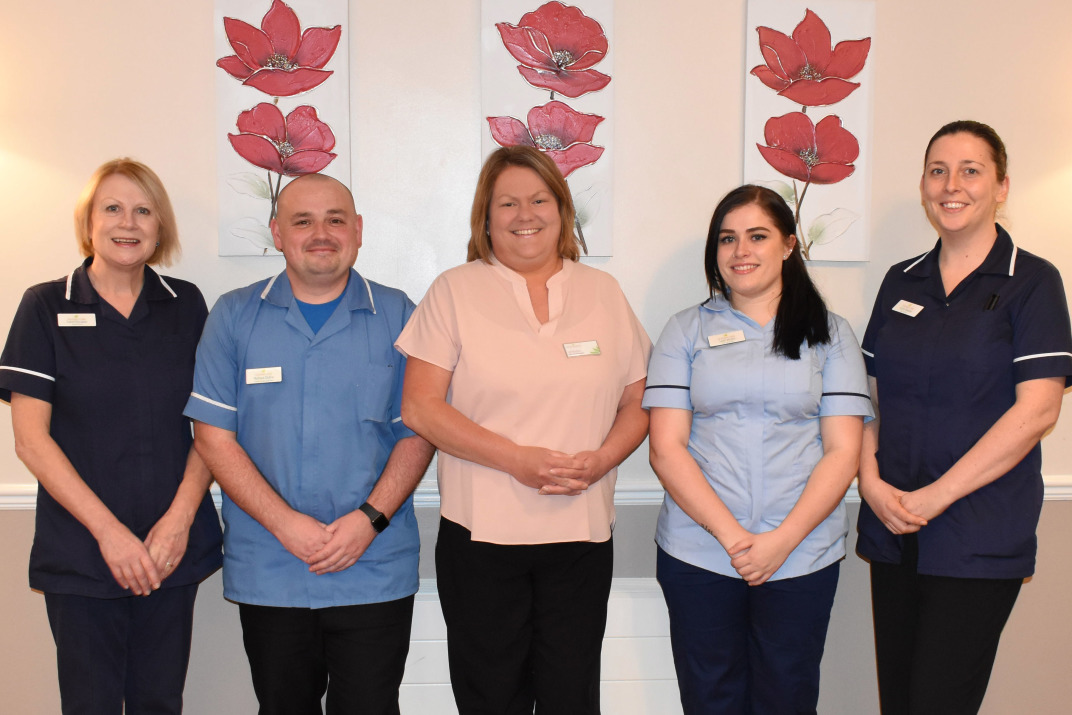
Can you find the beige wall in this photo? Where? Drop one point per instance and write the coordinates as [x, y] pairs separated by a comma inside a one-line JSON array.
[[83, 82]]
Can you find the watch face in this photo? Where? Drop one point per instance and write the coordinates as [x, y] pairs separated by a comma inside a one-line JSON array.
[[379, 521]]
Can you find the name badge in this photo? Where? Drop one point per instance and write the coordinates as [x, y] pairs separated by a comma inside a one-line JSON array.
[[76, 320], [734, 336], [261, 375], [585, 347], [905, 308]]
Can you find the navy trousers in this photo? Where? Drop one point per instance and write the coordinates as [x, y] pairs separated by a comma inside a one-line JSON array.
[[746, 650], [115, 651]]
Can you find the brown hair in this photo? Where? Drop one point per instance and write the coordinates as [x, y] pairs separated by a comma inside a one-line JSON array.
[[980, 131], [144, 178], [529, 158]]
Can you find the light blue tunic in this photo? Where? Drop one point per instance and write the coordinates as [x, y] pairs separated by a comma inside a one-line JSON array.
[[755, 426], [321, 436]]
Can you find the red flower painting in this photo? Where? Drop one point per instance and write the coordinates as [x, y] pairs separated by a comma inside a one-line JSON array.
[[279, 59], [557, 45], [813, 153], [562, 133], [292, 146], [804, 68]]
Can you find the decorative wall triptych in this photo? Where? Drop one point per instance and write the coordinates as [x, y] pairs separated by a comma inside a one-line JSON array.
[[547, 81]]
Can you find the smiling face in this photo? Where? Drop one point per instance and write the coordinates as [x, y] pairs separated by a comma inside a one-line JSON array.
[[524, 222], [960, 187], [750, 254], [319, 232], [123, 227]]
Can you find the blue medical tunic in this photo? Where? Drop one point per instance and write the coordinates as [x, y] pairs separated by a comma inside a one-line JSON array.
[[947, 368], [755, 426], [117, 386], [320, 434]]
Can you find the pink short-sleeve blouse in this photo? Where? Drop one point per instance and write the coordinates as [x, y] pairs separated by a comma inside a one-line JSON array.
[[555, 385]]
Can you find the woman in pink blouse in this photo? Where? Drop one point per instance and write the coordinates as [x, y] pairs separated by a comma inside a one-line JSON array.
[[526, 369]]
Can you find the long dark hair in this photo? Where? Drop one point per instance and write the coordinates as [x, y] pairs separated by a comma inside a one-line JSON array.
[[801, 312]]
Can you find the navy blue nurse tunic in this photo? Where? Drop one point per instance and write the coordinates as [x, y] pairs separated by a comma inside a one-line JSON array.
[[945, 375], [117, 387]]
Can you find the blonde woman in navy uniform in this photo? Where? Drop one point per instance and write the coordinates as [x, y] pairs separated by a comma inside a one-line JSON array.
[[97, 367], [969, 351]]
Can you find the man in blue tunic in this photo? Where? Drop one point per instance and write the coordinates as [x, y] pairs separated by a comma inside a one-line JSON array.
[[297, 394]]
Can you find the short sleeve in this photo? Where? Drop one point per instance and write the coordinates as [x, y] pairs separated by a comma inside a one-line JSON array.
[[1042, 338], [214, 399], [845, 389], [28, 363], [670, 369], [432, 332], [874, 327]]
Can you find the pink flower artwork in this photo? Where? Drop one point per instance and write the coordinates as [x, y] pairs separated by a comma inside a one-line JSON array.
[[557, 46], [813, 153], [292, 146], [804, 68], [556, 129], [278, 58]]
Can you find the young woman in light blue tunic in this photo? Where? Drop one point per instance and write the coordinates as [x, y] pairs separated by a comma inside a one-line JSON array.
[[758, 397]]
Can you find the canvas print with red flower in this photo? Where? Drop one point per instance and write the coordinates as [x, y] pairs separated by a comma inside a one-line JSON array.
[[807, 133], [547, 81], [282, 108]]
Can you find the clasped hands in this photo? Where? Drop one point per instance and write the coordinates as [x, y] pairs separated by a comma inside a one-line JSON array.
[[905, 512], [558, 473], [327, 548]]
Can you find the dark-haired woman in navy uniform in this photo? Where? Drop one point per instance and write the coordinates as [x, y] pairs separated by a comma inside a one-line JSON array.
[[98, 367], [969, 351]]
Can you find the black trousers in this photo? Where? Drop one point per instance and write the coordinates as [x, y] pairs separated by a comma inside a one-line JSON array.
[[525, 623], [356, 653], [936, 637], [130, 651]]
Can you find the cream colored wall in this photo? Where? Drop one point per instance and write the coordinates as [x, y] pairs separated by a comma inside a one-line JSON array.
[[96, 80], [83, 82]]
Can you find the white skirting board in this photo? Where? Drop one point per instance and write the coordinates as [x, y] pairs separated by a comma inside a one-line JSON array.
[[637, 673]]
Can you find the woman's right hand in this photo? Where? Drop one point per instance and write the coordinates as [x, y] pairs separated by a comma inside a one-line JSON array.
[[532, 467], [129, 561], [885, 500]]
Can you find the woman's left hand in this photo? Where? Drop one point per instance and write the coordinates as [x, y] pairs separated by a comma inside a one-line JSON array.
[[572, 481], [167, 543], [926, 502], [757, 556]]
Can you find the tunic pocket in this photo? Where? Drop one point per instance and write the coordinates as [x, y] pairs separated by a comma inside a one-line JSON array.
[[375, 387]]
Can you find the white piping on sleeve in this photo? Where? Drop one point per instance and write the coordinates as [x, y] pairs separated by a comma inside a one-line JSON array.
[[213, 402], [28, 372], [1041, 355]]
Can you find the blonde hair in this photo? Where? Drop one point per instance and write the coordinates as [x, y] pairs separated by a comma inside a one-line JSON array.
[[167, 248], [529, 158]]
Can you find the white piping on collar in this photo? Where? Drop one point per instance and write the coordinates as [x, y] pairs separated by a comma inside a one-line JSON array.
[[369, 289], [164, 283], [267, 288], [916, 262], [70, 278], [1012, 261]]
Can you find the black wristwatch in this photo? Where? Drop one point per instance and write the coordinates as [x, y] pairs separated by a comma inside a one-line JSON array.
[[379, 521]]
